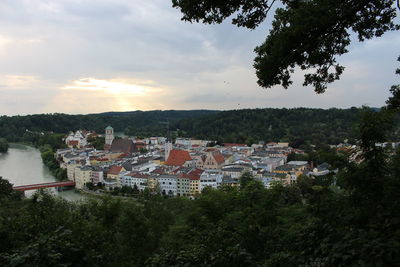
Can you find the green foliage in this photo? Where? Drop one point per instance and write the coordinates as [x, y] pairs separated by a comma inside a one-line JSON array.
[[312, 222], [30, 128], [305, 34], [48, 158], [303, 126], [3, 145], [97, 142], [300, 126], [394, 101], [245, 179], [6, 191]]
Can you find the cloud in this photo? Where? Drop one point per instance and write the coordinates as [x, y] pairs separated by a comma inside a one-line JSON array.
[[86, 56], [15, 82]]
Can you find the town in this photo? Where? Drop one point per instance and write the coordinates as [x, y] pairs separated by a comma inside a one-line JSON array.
[[182, 168]]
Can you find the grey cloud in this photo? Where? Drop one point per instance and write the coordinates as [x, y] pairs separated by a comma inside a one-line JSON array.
[[146, 40]]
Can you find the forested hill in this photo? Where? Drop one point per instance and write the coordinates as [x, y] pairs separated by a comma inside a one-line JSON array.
[[14, 127], [296, 125]]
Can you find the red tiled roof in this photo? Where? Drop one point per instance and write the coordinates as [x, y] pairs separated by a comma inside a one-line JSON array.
[[115, 170], [123, 145], [159, 171], [218, 157], [193, 174], [73, 142], [177, 157]]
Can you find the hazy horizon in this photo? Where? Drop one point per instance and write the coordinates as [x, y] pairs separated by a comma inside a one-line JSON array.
[[218, 110]]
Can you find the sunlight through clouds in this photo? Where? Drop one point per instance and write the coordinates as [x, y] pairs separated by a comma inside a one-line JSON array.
[[12, 82], [109, 86], [87, 95]]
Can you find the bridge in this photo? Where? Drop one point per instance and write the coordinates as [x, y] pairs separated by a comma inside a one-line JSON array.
[[43, 185]]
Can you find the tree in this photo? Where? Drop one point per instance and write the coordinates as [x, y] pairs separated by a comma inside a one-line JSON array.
[[307, 34], [245, 179], [394, 101], [3, 145], [6, 190]]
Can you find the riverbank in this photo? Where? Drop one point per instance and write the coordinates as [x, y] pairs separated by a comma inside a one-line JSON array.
[[23, 165]]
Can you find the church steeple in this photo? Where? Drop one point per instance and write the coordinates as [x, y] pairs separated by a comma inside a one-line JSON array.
[[109, 135]]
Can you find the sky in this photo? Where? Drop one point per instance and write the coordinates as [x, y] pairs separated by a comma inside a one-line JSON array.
[[90, 56]]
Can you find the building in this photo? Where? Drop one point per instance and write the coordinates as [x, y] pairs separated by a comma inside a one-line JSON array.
[[123, 146], [82, 176], [177, 157], [210, 178], [167, 184], [182, 186], [77, 139], [71, 169], [109, 137], [233, 172], [133, 179], [113, 175], [214, 160], [97, 175]]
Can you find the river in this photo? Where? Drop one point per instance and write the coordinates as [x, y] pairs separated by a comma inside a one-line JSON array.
[[23, 165]]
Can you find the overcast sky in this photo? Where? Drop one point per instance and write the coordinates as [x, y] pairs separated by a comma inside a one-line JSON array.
[[88, 56]]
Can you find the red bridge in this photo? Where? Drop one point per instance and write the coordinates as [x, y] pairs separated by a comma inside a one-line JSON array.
[[43, 185]]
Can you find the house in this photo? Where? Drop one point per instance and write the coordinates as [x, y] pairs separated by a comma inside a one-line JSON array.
[[214, 160], [167, 184], [82, 176], [194, 180], [320, 170], [210, 178], [97, 175], [227, 180], [182, 185], [133, 179], [113, 175], [77, 139], [71, 169], [123, 146], [177, 157], [233, 172]]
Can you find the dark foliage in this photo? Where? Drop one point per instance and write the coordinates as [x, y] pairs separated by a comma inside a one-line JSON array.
[[310, 223], [17, 128], [299, 126], [3, 145]]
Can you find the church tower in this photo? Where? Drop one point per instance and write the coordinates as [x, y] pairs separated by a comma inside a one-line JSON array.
[[167, 148], [109, 135]]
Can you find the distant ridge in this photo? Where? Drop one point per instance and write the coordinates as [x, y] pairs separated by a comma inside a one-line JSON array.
[[295, 125]]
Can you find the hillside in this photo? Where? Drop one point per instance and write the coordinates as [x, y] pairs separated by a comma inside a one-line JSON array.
[[296, 125], [299, 126], [13, 127]]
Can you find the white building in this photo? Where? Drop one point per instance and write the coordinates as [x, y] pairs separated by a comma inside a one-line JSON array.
[[168, 148], [134, 178], [210, 178], [168, 185], [77, 139], [109, 137], [183, 142]]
